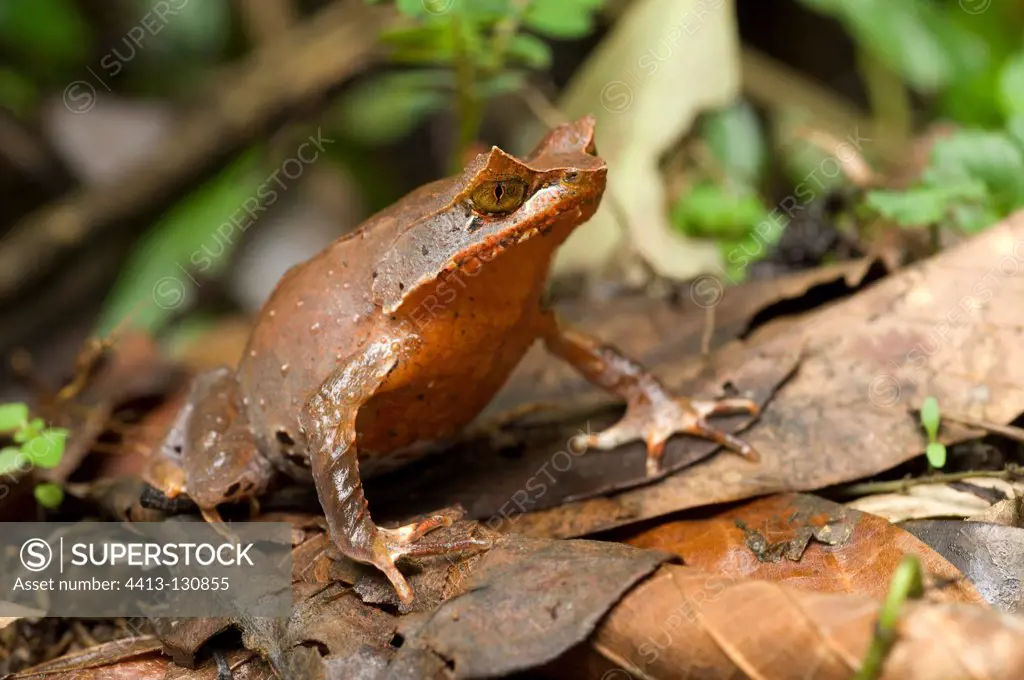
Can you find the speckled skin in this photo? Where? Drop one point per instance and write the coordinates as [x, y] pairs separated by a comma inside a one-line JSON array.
[[417, 271], [400, 333]]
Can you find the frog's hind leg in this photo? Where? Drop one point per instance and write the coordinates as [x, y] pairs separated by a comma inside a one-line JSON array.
[[329, 425], [653, 414]]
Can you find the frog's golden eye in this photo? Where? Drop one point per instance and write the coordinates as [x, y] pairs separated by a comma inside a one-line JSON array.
[[499, 196]]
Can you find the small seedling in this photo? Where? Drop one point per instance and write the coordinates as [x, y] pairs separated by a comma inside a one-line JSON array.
[[49, 495], [930, 417], [907, 583], [36, 445]]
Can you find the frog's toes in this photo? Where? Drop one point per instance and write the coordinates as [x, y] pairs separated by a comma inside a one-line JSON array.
[[654, 421], [392, 544]]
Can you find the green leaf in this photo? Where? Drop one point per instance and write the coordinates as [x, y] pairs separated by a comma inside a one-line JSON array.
[[911, 38], [1011, 86], [923, 206], [563, 19], [192, 28], [1015, 128], [384, 109], [716, 211], [193, 239], [991, 157], [936, 454], [420, 44], [47, 449], [530, 51], [13, 416], [12, 460], [18, 92], [503, 83], [484, 11], [735, 137], [971, 219], [51, 32], [930, 417], [49, 495]]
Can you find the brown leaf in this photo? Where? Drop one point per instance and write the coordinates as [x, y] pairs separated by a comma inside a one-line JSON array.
[[528, 601], [944, 328], [807, 542], [139, 653], [133, 367], [182, 638], [686, 623]]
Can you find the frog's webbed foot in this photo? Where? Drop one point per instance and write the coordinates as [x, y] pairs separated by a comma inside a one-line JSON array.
[[655, 420], [653, 415], [392, 544]]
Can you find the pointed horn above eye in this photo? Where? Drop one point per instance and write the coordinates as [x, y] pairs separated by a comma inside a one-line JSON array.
[[573, 137], [501, 164]]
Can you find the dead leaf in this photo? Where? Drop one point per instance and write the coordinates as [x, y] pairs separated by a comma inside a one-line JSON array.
[[990, 555], [922, 501], [687, 623], [528, 601], [138, 653], [133, 368], [943, 328], [807, 542]]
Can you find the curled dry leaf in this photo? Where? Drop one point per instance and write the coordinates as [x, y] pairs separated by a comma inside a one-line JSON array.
[[807, 542], [990, 555], [687, 623], [922, 501]]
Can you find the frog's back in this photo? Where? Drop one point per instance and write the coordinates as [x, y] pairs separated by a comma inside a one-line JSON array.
[[320, 313]]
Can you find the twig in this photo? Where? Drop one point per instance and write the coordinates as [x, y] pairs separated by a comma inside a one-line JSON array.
[[856, 168], [266, 20], [313, 59], [709, 330], [541, 107], [1009, 431], [774, 84], [890, 102], [1010, 473]]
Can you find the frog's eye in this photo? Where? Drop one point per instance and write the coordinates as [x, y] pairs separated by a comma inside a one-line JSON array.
[[499, 196]]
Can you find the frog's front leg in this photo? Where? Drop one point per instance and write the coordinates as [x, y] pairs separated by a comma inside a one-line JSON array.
[[329, 424], [653, 414], [221, 459], [209, 451]]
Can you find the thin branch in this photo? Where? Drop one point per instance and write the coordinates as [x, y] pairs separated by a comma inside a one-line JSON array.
[[1010, 473]]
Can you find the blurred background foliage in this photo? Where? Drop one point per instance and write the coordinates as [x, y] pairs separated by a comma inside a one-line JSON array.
[[453, 75]]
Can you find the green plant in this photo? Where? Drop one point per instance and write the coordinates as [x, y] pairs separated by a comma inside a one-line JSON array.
[[907, 583], [466, 51], [974, 178], [930, 418], [969, 68], [723, 201], [36, 445]]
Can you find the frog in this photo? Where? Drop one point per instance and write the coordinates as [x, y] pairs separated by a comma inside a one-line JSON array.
[[399, 333]]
